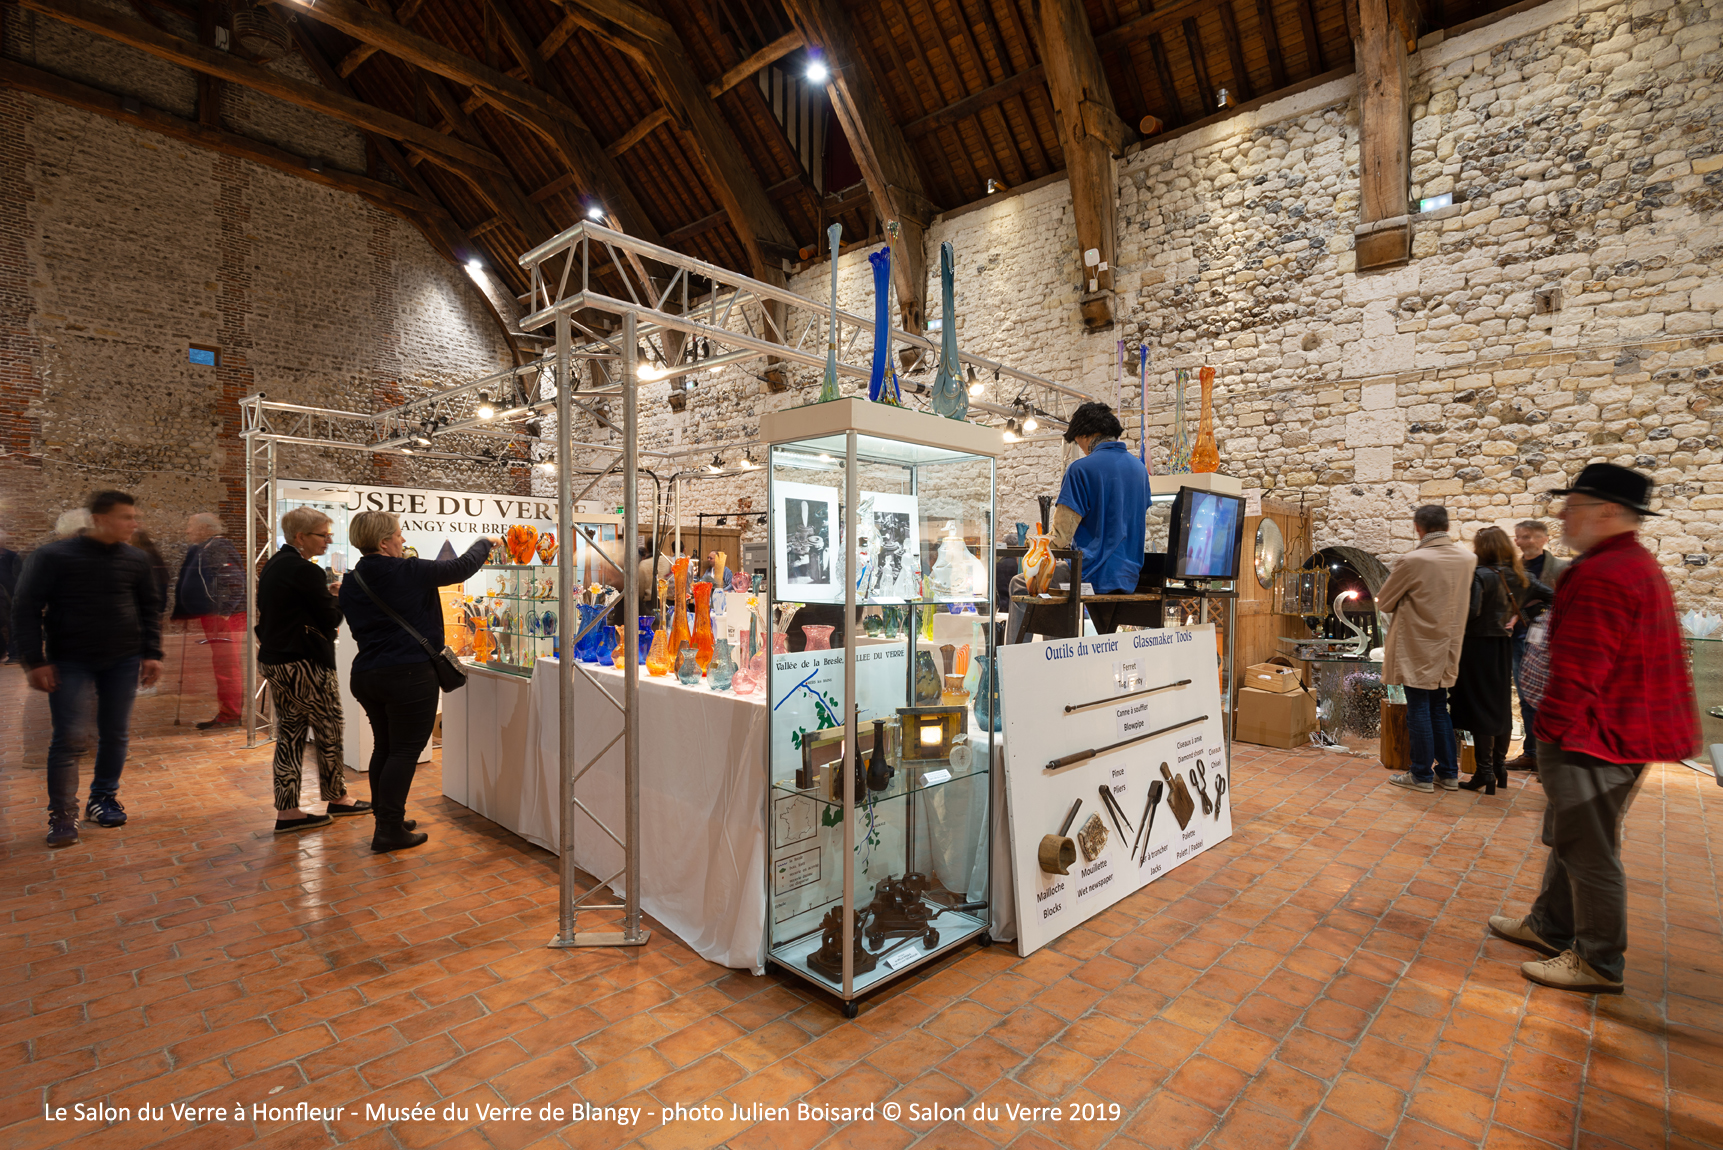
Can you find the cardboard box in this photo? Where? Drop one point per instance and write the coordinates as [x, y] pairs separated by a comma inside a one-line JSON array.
[[1273, 719], [1271, 677]]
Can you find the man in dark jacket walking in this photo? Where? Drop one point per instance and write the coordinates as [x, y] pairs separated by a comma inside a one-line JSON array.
[[211, 589], [88, 619], [1618, 697]]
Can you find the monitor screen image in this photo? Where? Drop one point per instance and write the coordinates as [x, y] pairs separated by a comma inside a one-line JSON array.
[[1207, 530]]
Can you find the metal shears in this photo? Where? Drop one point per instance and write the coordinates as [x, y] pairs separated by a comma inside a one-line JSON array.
[[1199, 776]]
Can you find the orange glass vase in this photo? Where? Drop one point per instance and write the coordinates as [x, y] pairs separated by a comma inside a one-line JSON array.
[[1205, 455], [658, 658], [703, 625], [678, 606]]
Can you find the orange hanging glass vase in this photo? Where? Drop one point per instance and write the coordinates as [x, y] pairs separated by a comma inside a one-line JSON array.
[[703, 625], [1205, 455]]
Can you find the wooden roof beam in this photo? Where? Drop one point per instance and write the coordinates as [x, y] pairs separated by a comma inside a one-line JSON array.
[[1384, 234], [102, 21], [732, 179], [539, 110], [887, 164], [1091, 133], [658, 117], [350, 63], [1270, 36]]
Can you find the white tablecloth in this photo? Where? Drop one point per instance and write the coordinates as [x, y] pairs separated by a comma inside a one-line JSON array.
[[702, 792]]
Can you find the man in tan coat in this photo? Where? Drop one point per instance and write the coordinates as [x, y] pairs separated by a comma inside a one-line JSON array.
[[1429, 595]]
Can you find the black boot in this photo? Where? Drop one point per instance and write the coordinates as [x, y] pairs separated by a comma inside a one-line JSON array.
[[1499, 758], [393, 836], [1483, 774]]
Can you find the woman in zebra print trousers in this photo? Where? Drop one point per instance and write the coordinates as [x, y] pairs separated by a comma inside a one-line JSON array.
[[297, 621]]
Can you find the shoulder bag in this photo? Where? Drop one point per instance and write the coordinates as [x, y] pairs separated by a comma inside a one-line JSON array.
[[451, 676], [1535, 664]]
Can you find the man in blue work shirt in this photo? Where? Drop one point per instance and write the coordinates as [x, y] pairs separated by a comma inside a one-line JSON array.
[[1101, 511]]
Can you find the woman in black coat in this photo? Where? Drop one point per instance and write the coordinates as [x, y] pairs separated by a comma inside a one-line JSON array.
[[1480, 700], [392, 675], [296, 623]]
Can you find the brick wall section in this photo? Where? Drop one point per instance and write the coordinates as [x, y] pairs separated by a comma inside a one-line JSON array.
[[22, 513], [233, 212]]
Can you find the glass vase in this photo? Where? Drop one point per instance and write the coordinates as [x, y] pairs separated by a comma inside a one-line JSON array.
[[722, 669], [702, 638], [818, 636], [687, 666], [648, 627], [1205, 455], [927, 680], [678, 607], [987, 696], [658, 655]]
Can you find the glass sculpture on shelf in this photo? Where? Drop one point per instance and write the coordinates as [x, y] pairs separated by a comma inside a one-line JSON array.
[[907, 777], [1205, 455], [882, 383], [950, 396], [1180, 464], [829, 384]]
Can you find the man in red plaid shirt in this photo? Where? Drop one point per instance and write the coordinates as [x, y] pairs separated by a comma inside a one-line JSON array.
[[1618, 697]]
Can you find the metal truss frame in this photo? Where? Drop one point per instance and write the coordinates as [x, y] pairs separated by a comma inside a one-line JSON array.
[[730, 319]]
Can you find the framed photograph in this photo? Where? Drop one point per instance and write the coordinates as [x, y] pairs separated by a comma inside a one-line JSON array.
[[808, 538], [890, 543]]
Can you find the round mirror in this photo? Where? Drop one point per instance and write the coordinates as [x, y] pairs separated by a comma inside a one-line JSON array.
[[1270, 552]]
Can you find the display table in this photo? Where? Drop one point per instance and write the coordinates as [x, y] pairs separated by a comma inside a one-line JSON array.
[[702, 792]]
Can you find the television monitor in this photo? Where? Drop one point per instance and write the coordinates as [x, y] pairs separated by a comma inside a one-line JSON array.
[[1205, 535]]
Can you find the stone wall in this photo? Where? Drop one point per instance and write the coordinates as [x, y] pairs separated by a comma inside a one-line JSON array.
[[1568, 308], [120, 248]]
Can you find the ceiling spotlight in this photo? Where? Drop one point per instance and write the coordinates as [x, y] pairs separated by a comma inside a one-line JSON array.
[[818, 73], [475, 268], [485, 409], [994, 185], [1225, 100], [406, 451], [723, 521], [594, 212], [422, 440], [761, 521], [1011, 430], [748, 463], [547, 465], [717, 464], [976, 387], [1030, 424]]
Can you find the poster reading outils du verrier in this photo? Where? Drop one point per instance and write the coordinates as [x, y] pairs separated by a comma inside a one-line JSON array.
[[1127, 732]]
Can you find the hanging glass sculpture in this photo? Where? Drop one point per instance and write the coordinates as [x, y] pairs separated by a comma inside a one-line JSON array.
[[950, 396], [829, 388], [1181, 461], [882, 384]]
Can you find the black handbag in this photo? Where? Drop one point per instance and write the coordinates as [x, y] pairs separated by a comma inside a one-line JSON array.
[[451, 676]]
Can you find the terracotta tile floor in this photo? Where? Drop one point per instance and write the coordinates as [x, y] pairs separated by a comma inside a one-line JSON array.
[[1322, 980]]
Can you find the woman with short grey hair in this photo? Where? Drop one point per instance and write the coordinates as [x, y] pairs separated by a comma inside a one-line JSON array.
[[297, 620], [392, 675]]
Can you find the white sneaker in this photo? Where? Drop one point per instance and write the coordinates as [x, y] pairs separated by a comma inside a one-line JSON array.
[[1568, 971], [1411, 783], [1516, 930], [1452, 784]]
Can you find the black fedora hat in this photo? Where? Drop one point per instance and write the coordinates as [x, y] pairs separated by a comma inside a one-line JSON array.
[[1614, 484]]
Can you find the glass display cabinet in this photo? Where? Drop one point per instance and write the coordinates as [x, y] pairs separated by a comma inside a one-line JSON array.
[[504, 617], [1706, 654], [880, 568]]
